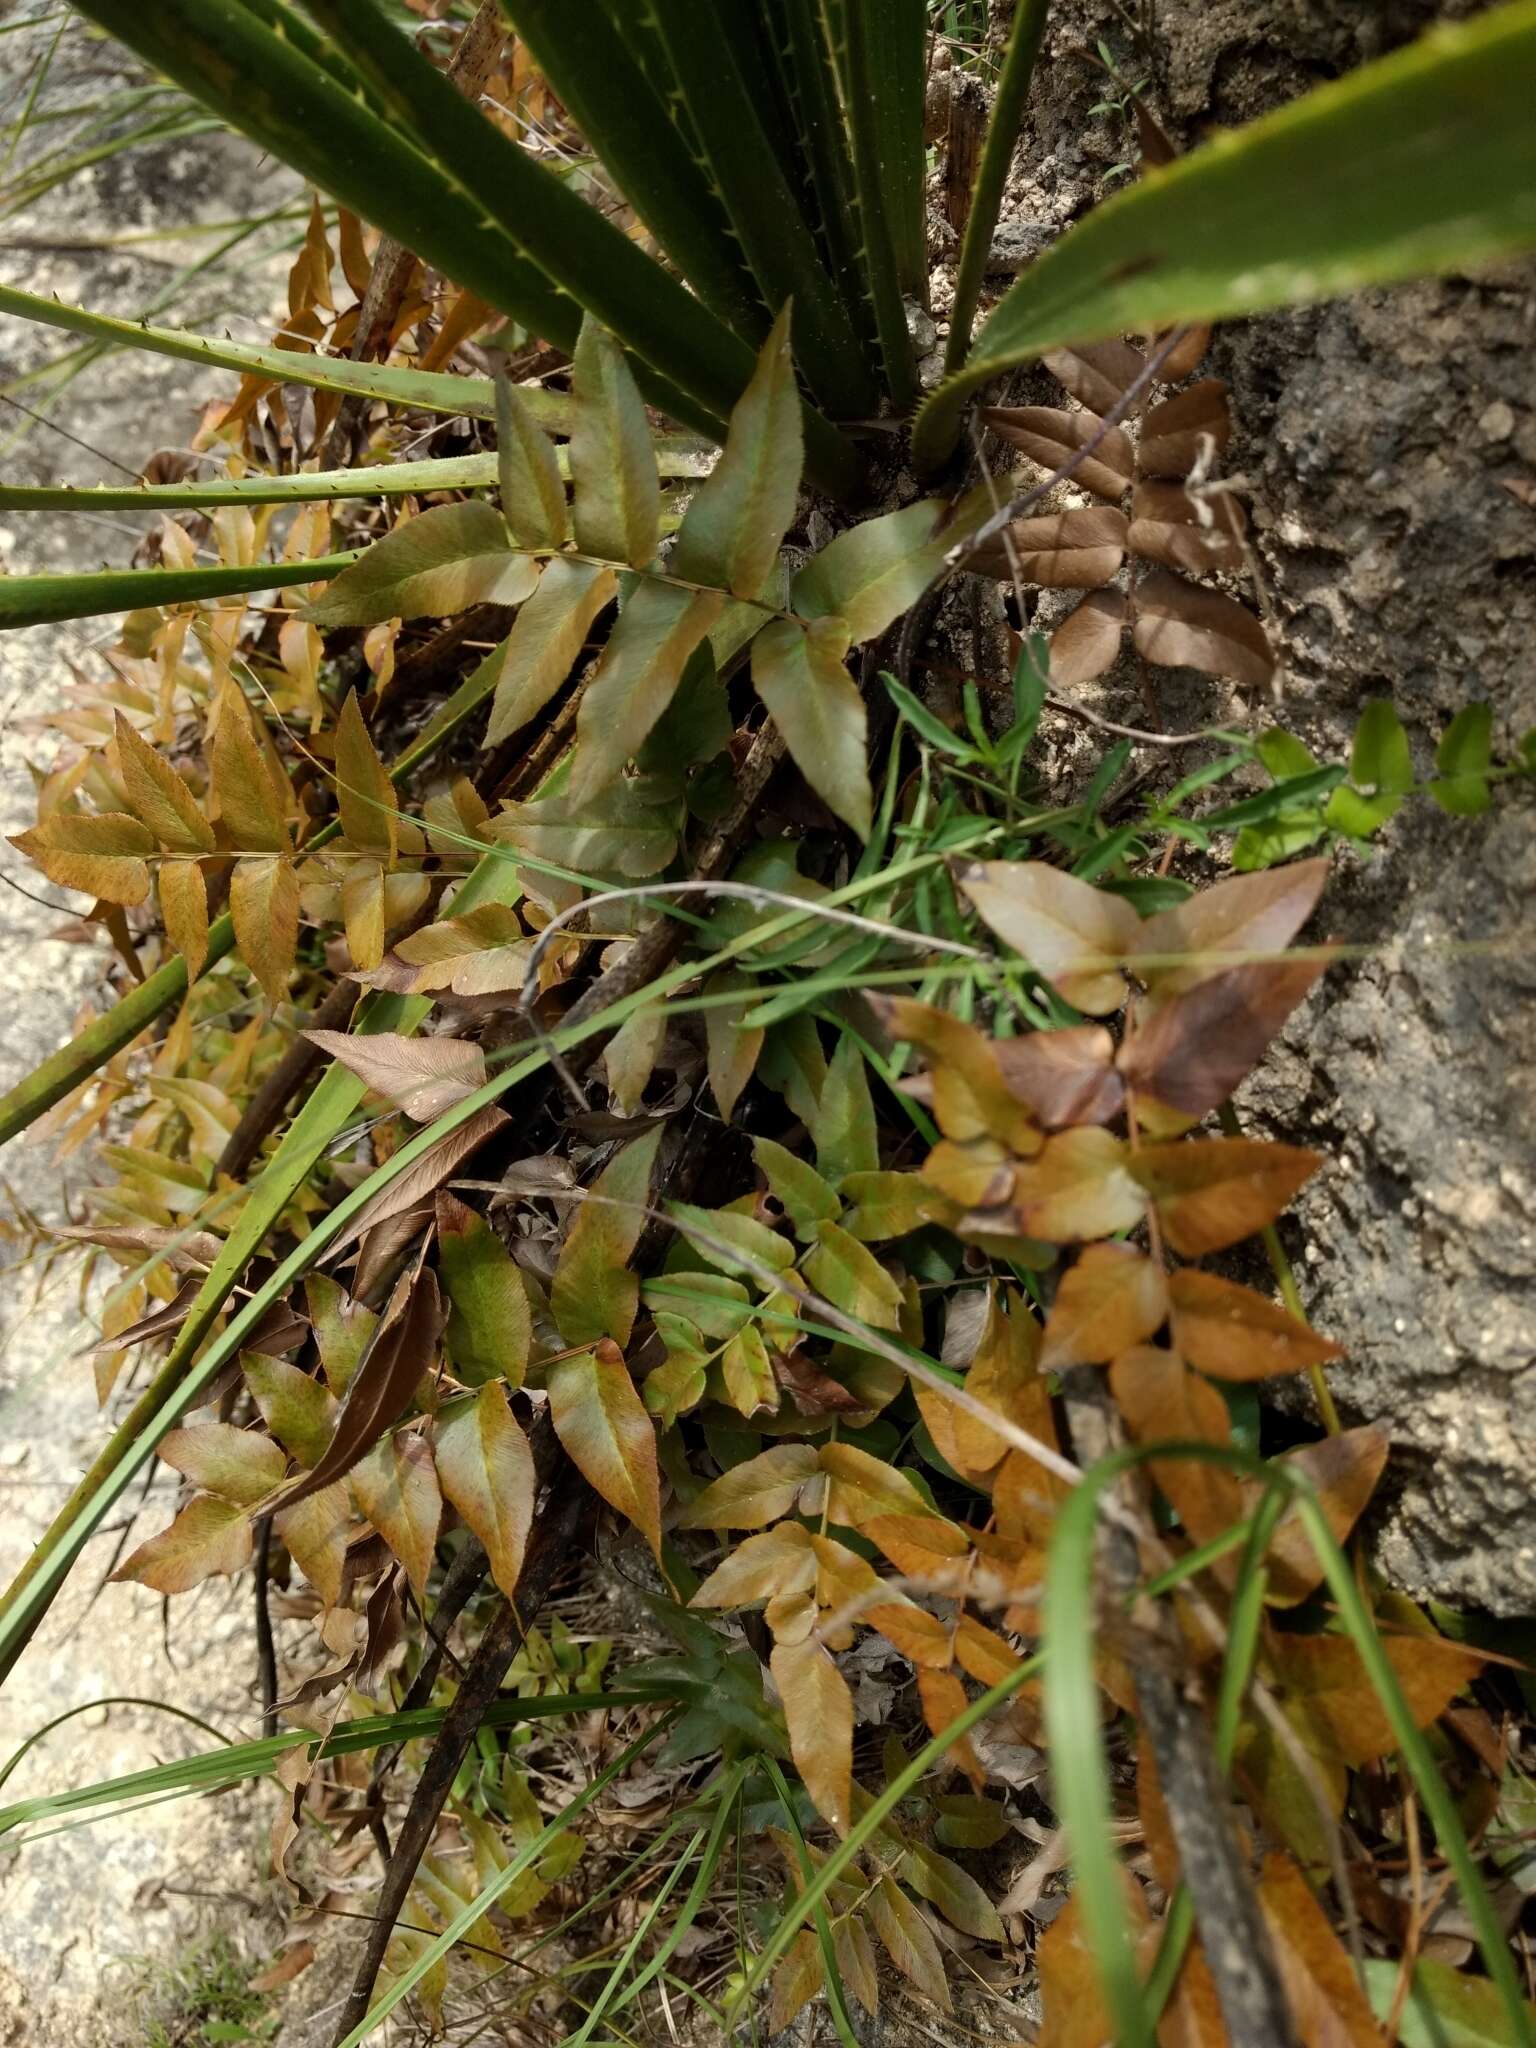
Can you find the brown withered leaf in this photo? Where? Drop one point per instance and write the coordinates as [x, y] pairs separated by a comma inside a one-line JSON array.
[[1212, 1192], [1186, 355], [1162, 1400], [210, 1538], [818, 1710], [1325, 1685], [1181, 625], [1083, 1185], [1248, 915], [1086, 644], [1051, 437], [160, 1322], [182, 1251], [1068, 931], [921, 1546], [1114, 1297], [812, 1391], [1193, 534], [1005, 1374], [1064, 1077], [944, 1700], [421, 1076], [1235, 1334], [1344, 1471], [1184, 431], [796, 1981], [1188, 1053], [421, 1180], [759, 1490], [855, 1954], [921, 1637], [1097, 374], [395, 1486], [1078, 550], [965, 1083], [1070, 1981], [381, 1387], [1328, 2007]]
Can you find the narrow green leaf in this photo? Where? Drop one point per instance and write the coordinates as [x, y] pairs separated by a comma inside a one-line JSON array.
[[46, 600], [799, 673], [444, 560], [736, 522], [1345, 187]]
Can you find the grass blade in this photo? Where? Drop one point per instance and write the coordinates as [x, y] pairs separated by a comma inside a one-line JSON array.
[[1346, 187]]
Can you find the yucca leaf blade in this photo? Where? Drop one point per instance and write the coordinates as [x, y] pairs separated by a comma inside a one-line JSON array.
[[1424, 161]]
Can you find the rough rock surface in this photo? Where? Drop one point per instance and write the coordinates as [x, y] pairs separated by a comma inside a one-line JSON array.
[[1377, 437]]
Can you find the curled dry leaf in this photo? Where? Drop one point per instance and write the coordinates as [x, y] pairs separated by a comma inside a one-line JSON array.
[[1183, 433], [1234, 1334], [1005, 1374], [1078, 550], [421, 1076], [1181, 625], [1183, 530], [1086, 644], [382, 1384], [1052, 437], [1212, 1192], [818, 1710], [1068, 931], [1114, 1297]]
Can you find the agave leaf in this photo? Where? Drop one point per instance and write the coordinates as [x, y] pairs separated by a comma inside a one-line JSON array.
[[46, 600]]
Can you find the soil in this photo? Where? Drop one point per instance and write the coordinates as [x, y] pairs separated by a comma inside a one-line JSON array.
[[1376, 437]]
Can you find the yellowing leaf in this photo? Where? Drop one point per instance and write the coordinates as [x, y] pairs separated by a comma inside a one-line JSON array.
[[444, 560], [658, 628], [629, 1057], [800, 674], [252, 805], [490, 1324], [298, 1410], [1161, 1399], [738, 517], [1112, 1298], [483, 952], [1082, 1185], [602, 1423], [849, 1275], [908, 1940], [818, 1710], [365, 796], [731, 1051], [485, 1469], [101, 854], [1343, 1470], [238, 1465], [315, 1534], [863, 1487], [920, 1546], [1235, 1334], [748, 1375], [719, 1235], [343, 1330], [1067, 930], [264, 902], [209, 1539], [395, 1487], [775, 1562], [363, 913], [756, 1492], [532, 492], [1005, 1374], [184, 907], [1211, 1192], [547, 636], [593, 1294], [887, 1205], [920, 1636], [1324, 1683], [617, 491], [157, 795], [796, 1186]]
